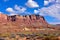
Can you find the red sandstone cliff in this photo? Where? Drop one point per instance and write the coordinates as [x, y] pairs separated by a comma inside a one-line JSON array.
[[16, 22], [28, 20], [3, 17]]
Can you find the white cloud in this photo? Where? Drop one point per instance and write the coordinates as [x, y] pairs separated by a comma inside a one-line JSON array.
[[36, 11], [31, 4], [16, 10], [54, 23], [46, 3], [10, 10], [0, 12], [53, 11], [52, 0], [20, 9], [58, 1], [17, 7], [11, 14]]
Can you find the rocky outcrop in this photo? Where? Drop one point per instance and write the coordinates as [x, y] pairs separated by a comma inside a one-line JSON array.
[[16, 23], [27, 20], [3, 17]]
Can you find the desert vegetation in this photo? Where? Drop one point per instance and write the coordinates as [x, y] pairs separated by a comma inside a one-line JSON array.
[[30, 36]]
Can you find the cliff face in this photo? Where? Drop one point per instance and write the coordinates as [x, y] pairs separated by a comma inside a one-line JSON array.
[[27, 19], [17, 23], [3, 17]]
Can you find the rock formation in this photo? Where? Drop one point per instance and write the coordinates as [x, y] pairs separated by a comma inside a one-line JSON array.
[[35, 20], [18, 22], [3, 17]]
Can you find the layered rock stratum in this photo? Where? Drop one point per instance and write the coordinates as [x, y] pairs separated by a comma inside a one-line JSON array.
[[19, 22]]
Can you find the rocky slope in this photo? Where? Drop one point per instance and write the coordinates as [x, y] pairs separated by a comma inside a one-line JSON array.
[[18, 22]]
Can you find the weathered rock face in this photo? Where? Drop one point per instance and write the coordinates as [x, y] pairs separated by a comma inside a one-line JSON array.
[[3, 17], [11, 18], [28, 20], [17, 23]]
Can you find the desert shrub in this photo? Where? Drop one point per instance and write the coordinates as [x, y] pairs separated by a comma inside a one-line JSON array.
[[54, 38], [12, 35], [5, 35], [46, 38], [2, 39], [50, 37], [22, 35]]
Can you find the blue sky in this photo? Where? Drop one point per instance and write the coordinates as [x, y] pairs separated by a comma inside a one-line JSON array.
[[47, 8], [12, 3]]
